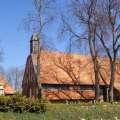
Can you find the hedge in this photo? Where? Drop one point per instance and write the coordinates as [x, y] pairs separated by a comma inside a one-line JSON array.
[[21, 104]]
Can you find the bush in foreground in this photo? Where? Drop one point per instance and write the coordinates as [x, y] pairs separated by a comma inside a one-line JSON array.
[[21, 104]]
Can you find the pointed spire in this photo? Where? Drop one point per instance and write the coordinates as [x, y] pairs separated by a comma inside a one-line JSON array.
[[35, 37], [34, 44]]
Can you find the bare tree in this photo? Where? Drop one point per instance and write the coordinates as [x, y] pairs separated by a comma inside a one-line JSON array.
[[43, 15], [83, 14], [41, 18], [103, 27], [108, 32], [14, 77], [101, 31]]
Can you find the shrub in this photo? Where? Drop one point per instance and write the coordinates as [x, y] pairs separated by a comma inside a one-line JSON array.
[[21, 104]]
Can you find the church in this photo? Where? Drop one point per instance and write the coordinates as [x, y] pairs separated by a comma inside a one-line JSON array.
[[57, 76]]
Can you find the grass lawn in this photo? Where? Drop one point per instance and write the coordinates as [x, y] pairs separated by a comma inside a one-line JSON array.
[[69, 112]]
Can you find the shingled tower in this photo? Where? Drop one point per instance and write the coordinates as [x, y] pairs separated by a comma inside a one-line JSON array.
[[34, 44]]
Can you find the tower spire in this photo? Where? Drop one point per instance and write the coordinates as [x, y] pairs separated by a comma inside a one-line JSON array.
[[34, 44]]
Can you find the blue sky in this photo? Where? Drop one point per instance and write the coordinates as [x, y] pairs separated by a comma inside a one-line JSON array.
[[14, 40]]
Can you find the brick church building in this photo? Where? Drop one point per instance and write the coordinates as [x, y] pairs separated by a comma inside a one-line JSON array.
[[58, 76]]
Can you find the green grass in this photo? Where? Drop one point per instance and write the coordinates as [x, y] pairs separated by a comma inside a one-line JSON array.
[[69, 112]]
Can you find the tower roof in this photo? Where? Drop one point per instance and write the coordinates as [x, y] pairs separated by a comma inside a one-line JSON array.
[[35, 36]]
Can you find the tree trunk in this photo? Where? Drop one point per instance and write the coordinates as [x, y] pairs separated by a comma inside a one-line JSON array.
[[111, 95], [96, 70], [97, 86], [94, 55], [111, 87], [107, 95]]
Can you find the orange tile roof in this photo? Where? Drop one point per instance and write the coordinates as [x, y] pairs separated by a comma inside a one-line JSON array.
[[68, 94], [7, 88], [51, 70]]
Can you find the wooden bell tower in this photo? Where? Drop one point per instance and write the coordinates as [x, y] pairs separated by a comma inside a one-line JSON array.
[[34, 44]]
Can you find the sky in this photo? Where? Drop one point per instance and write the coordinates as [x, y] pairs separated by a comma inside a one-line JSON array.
[[14, 39]]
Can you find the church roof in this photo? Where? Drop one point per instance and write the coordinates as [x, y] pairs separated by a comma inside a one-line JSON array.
[[62, 68], [68, 94], [35, 36]]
